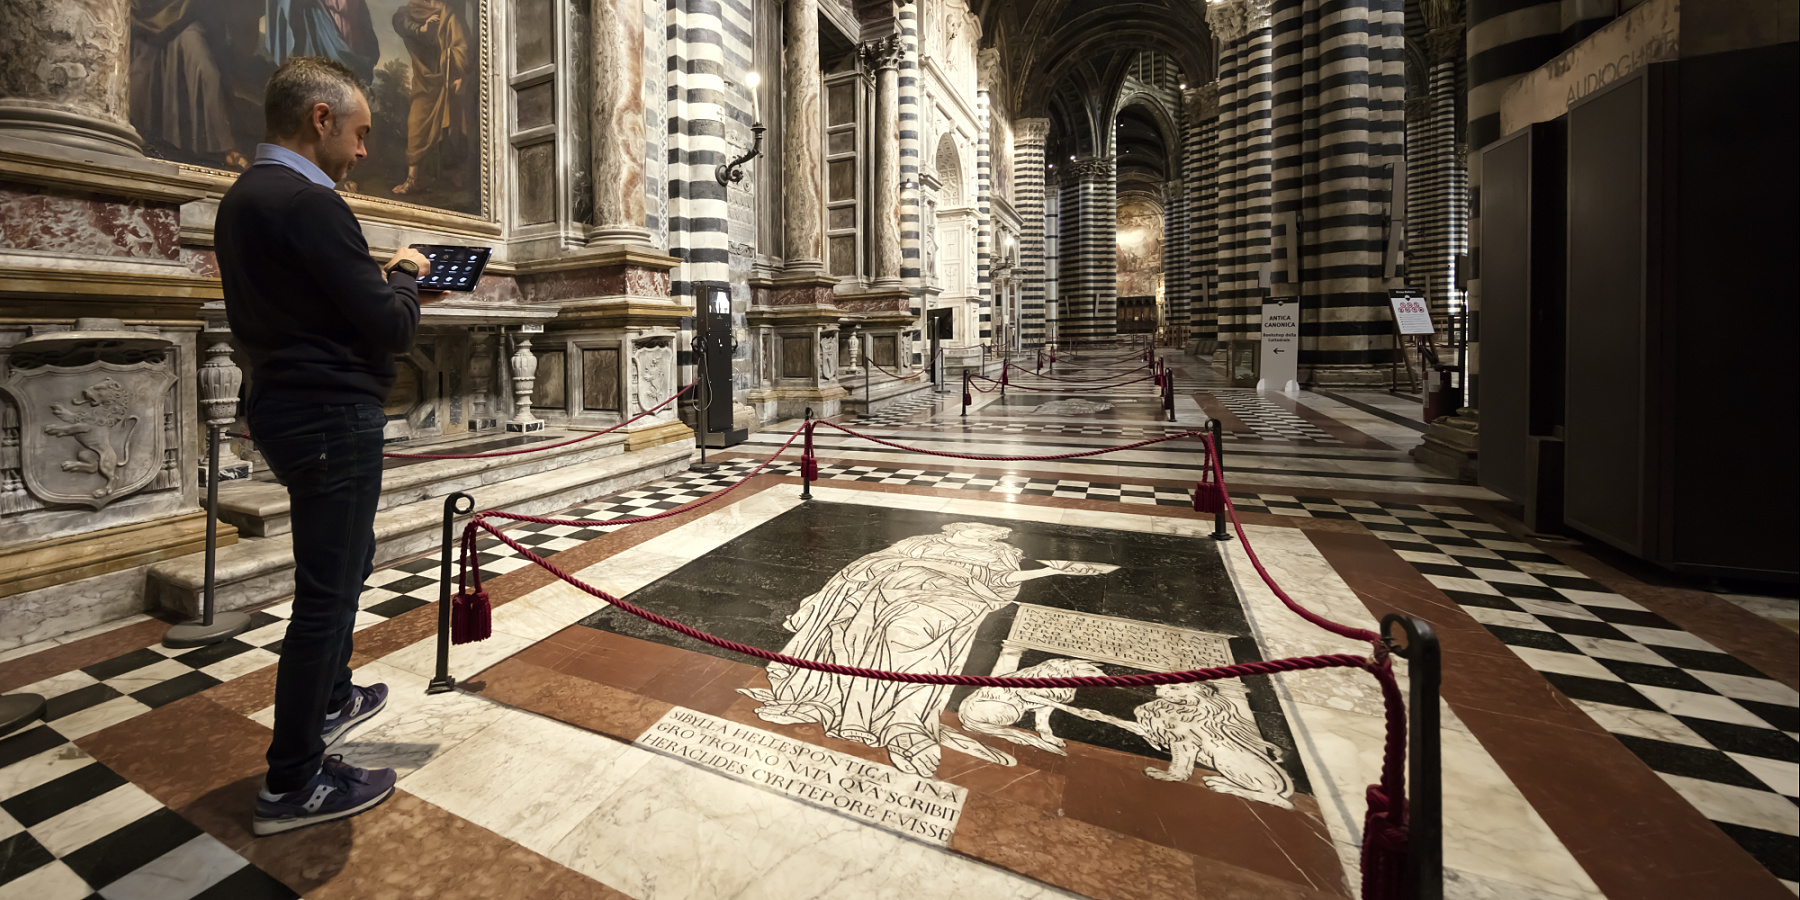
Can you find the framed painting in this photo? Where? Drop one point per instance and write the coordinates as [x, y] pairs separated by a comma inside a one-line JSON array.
[[199, 67]]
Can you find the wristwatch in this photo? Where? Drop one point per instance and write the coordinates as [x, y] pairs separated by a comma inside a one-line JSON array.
[[407, 266]]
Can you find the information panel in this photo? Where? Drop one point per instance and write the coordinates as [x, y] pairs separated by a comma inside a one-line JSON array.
[[1280, 346], [1411, 312]]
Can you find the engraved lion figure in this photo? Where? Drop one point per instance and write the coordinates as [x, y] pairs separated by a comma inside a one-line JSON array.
[[993, 710], [1204, 724], [91, 419]]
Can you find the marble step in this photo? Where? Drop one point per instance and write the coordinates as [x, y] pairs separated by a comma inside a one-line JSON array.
[[259, 508], [259, 569], [884, 391]]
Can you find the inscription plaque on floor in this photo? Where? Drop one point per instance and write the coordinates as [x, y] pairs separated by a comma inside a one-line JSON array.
[[1125, 642], [879, 794]]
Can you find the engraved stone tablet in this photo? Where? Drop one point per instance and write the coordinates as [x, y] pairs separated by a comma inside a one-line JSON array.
[[1124, 642]]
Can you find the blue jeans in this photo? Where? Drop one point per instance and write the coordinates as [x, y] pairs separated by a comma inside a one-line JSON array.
[[329, 458]]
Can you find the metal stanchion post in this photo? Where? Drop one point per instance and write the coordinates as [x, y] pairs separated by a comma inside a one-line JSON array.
[[805, 476], [1413, 640], [219, 383], [965, 398], [1220, 532], [702, 407], [455, 505]]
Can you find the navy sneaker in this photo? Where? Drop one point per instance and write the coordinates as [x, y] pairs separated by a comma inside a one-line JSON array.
[[362, 706], [338, 791]]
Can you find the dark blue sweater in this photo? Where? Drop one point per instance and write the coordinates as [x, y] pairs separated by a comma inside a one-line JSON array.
[[309, 307]]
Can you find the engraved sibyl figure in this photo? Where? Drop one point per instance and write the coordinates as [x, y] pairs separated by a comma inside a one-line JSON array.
[[912, 607]]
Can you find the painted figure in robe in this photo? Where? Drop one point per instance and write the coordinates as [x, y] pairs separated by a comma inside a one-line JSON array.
[[440, 123]]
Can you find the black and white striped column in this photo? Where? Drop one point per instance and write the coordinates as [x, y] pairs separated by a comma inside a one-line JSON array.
[[1339, 127], [1176, 249], [1087, 276], [1200, 162], [984, 221], [696, 210], [1246, 159], [911, 254], [1028, 192], [1438, 205]]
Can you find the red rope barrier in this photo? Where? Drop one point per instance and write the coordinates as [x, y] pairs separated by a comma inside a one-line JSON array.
[[924, 371], [525, 450], [1077, 455], [1047, 377]]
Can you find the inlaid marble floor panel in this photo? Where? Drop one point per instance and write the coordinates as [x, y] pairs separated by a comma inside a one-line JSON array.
[[1602, 738]]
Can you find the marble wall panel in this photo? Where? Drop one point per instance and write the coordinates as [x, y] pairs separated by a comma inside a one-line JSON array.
[[35, 218], [600, 379]]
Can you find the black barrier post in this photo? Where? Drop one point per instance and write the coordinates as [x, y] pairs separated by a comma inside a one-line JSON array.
[[1003, 371], [805, 476], [455, 505], [966, 383], [1220, 532], [702, 407], [1413, 640], [1169, 395]]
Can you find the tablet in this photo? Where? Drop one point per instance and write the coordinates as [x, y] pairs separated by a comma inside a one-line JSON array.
[[453, 268]]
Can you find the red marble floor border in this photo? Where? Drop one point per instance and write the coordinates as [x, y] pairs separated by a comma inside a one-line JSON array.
[[1733, 629], [1632, 833]]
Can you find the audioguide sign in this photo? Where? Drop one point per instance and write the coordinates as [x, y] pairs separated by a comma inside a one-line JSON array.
[[1280, 346]]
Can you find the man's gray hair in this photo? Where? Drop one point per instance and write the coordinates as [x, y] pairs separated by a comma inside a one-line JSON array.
[[301, 83]]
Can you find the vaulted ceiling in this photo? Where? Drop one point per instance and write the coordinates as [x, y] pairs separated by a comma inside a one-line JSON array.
[[1046, 44]]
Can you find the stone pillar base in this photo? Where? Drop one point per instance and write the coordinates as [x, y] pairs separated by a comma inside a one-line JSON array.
[[61, 128], [524, 427], [657, 434], [1452, 445]]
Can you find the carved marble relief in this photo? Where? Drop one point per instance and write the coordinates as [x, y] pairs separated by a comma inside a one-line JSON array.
[[652, 372], [828, 356], [95, 417]]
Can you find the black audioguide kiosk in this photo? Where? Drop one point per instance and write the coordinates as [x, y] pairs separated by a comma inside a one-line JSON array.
[[714, 347]]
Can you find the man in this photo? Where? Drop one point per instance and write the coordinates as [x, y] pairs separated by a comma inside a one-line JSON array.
[[320, 323]]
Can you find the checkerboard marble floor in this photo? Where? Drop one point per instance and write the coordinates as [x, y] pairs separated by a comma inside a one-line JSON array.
[[1269, 422], [73, 829], [1722, 734]]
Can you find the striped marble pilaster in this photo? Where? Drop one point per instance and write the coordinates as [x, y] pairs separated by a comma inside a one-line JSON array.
[[1438, 201], [697, 105], [1028, 188], [1176, 249], [1202, 162], [907, 21], [1087, 277], [984, 222], [1339, 123], [1245, 173]]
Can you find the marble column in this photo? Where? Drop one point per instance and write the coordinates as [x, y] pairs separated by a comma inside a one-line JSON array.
[[984, 218], [618, 123], [802, 143], [65, 68], [1246, 182], [1028, 150], [1087, 277], [883, 57]]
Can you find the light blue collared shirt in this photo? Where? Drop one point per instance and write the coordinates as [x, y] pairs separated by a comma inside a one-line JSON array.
[[277, 155]]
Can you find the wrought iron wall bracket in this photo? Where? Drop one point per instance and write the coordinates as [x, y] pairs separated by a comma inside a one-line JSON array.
[[733, 172]]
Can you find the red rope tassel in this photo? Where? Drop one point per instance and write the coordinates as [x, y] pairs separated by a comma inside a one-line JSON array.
[[1384, 854], [1209, 493], [471, 615], [809, 464]]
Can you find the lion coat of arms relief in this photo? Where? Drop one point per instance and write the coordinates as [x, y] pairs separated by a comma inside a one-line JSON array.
[[90, 434]]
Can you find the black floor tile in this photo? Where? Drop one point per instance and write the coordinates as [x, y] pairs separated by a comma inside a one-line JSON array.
[[1734, 738], [419, 566], [1528, 591], [412, 582], [1574, 583], [1641, 618], [77, 700], [1779, 853], [1703, 763], [1786, 718], [116, 855], [1445, 570], [248, 883], [390, 608], [1584, 627], [26, 744], [1531, 637], [212, 653], [1600, 691], [119, 665], [1486, 601], [174, 689], [1483, 562], [1708, 661], [59, 795], [21, 854], [1656, 676]]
